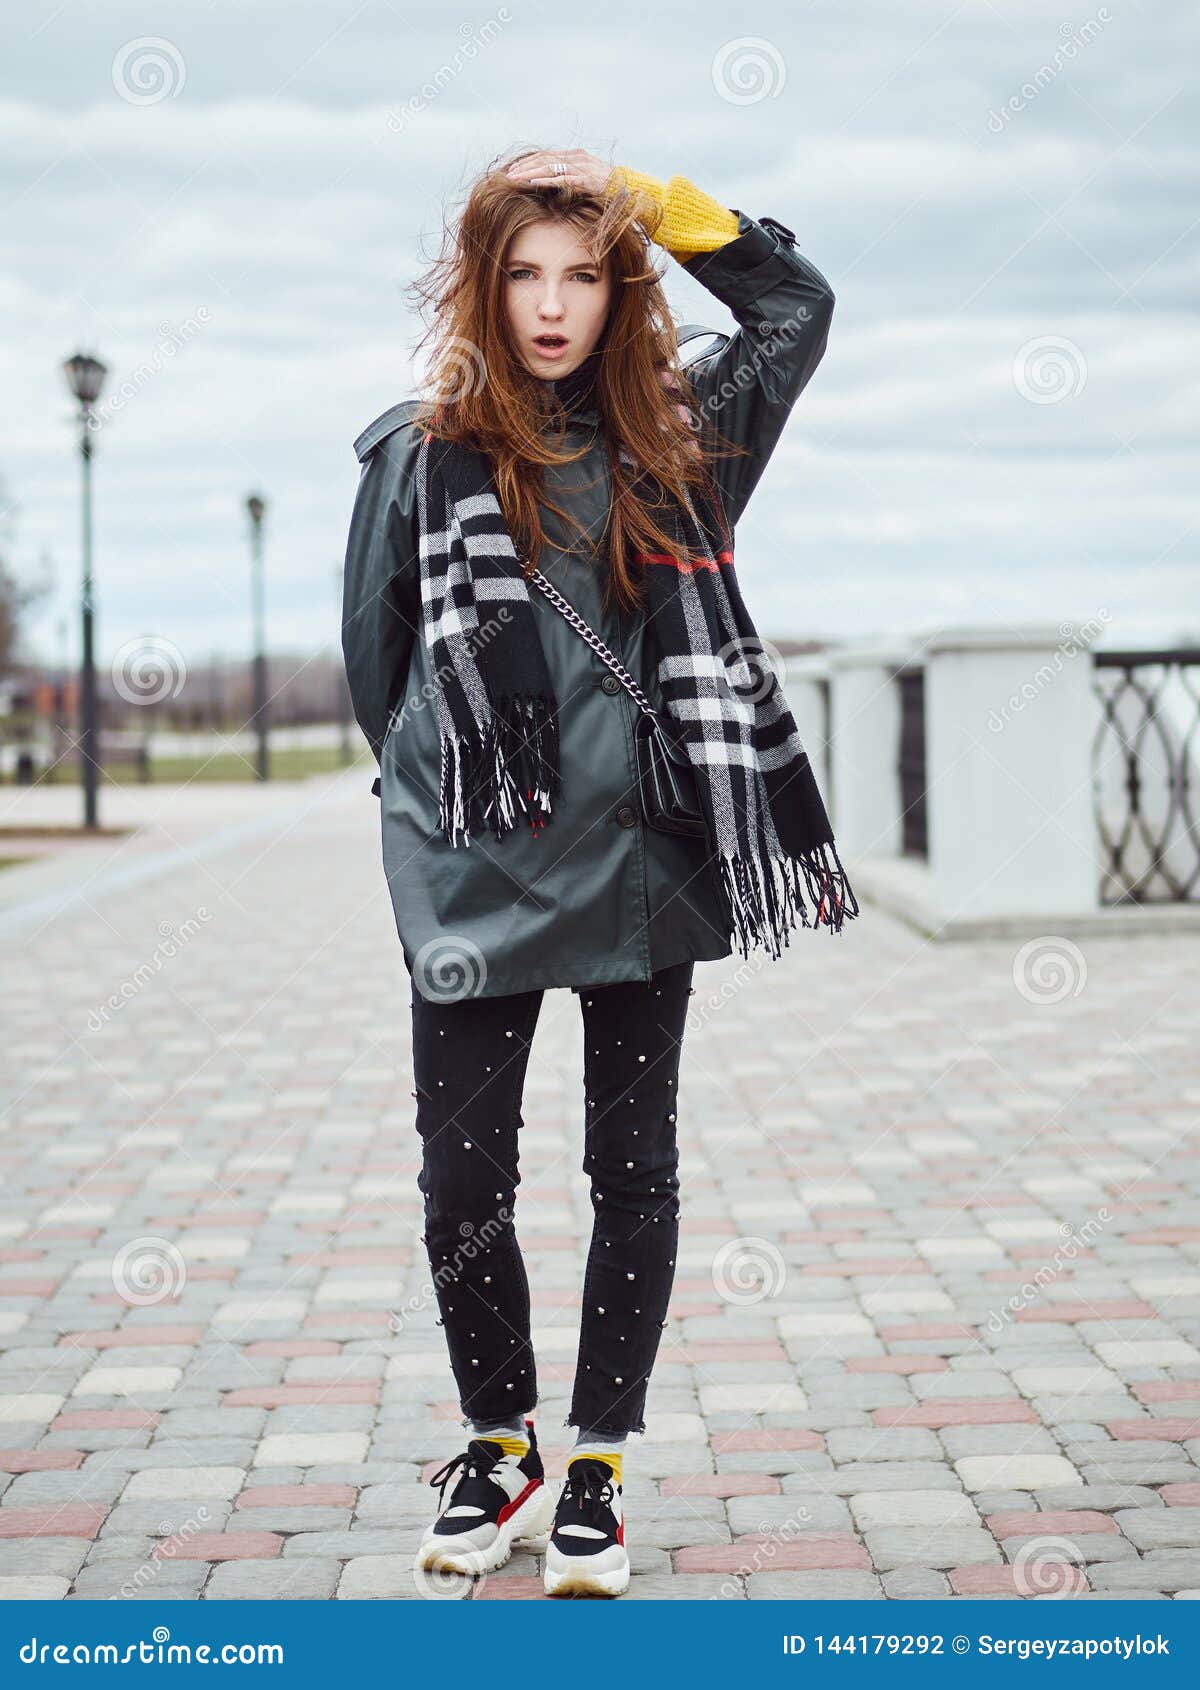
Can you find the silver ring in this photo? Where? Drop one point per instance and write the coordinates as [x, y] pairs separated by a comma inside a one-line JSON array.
[[560, 168]]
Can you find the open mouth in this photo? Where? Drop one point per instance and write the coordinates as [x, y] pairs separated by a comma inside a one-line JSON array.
[[550, 341]]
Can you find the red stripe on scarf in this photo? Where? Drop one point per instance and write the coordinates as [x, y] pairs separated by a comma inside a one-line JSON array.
[[688, 566]]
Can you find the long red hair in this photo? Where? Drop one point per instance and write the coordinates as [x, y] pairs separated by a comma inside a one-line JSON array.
[[481, 395]]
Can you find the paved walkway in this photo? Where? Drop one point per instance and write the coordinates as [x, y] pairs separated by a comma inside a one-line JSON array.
[[936, 1318]]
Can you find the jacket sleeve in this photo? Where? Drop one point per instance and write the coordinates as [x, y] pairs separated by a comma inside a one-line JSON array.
[[381, 587], [746, 389]]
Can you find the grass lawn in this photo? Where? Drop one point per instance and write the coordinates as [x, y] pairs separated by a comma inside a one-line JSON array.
[[282, 765]]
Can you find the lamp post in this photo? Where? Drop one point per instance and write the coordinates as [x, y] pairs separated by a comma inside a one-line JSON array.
[[85, 377], [256, 506]]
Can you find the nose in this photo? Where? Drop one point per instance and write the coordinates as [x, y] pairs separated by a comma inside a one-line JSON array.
[[550, 305]]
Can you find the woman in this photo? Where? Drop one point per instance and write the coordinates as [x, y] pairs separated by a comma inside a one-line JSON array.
[[565, 437]]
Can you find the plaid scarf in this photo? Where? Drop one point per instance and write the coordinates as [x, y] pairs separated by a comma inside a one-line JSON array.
[[498, 715]]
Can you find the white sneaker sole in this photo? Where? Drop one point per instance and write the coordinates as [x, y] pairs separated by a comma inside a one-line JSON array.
[[565, 1576], [533, 1519]]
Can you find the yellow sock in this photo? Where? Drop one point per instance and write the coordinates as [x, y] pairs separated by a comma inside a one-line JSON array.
[[614, 1458], [511, 1445]]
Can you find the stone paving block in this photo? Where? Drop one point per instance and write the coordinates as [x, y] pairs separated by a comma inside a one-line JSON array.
[[877, 1443], [931, 1509], [821, 1586], [59, 1556], [1029, 1471], [1136, 1474], [1158, 1569], [883, 1475], [915, 1584], [1060, 1580], [929, 1546], [140, 1581], [32, 1587], [803, 1512], [75, 1485], [1104, 1498], [167, 1516], [310, 1449], [389, 1578], [812, 1552], [289, 1520], [274, 1581], [352, 1542], [200, 1482], [1161, 1528], [959, 1441], [666, 1586], [1082, 1548]]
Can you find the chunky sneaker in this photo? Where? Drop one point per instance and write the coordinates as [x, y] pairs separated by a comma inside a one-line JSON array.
[[497, 1500], [586, 1553]]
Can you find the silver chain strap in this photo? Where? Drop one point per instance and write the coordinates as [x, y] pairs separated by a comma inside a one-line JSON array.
[[597, 644]]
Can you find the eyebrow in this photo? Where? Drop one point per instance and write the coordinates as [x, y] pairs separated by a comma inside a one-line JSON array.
[[528, 264]]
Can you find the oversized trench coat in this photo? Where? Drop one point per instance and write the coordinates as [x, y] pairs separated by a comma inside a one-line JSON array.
[[596, 896]]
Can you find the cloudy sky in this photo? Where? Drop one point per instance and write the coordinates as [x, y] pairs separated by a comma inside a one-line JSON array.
[[226, 201]]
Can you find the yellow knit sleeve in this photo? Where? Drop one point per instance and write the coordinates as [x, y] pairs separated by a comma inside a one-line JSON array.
[[678, 215]]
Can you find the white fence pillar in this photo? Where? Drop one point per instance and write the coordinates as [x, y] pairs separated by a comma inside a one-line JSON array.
[[865, 762], [1010, 717]]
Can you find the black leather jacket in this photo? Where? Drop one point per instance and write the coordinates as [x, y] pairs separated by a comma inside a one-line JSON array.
[[596, 897]]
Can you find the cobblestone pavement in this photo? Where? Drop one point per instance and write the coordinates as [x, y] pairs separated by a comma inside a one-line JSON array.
[[937, 1311]]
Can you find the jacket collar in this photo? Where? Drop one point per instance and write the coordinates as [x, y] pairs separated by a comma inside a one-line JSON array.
[[576, 392]]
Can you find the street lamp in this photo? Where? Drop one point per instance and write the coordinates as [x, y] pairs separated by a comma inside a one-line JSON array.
[[85, 377], [256, 506]]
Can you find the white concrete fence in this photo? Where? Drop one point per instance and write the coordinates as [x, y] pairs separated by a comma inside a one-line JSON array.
[[1019, 782]]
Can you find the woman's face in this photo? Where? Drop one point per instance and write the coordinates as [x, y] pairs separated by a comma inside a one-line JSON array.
[[553, 292]]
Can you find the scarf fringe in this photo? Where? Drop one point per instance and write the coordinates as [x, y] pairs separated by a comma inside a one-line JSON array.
[[767, 902], [512, 767]]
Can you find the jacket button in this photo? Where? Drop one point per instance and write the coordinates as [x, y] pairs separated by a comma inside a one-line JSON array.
[[610, 683], [627, 815]]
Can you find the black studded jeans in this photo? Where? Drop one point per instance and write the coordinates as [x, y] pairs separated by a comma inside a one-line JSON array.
[[469, 1061]]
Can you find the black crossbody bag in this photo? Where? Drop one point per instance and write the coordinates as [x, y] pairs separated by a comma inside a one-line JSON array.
[[666, 781]]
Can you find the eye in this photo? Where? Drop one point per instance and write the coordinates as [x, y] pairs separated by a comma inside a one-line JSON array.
[[520, 270], [588, 275]]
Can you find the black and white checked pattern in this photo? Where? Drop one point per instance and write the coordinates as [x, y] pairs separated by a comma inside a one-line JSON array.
[[497, 712]]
